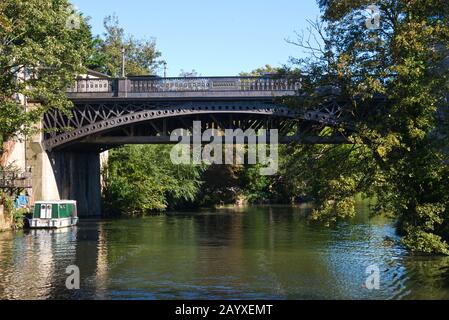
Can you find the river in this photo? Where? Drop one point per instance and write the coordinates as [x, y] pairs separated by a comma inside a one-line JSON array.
[[260, 252]]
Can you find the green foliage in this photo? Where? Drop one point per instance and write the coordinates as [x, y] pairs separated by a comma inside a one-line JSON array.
[[255, 187], [267, 69], [39, 57], [221, 185], [141, 55], [142, 179], [420, 241], [261, 189], [17, 216], [8, 204], [330, 175], [399, 150]]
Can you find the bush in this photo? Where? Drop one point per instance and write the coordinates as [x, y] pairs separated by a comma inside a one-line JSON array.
[[16, 216], [142, 179]]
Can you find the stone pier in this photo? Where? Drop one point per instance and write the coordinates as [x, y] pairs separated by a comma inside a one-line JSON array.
[[77, 177], [61, 175]]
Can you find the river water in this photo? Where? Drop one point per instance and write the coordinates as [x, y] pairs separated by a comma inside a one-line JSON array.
[[232, 253]]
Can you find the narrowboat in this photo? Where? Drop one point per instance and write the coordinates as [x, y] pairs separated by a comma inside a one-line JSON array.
[[54, 214]]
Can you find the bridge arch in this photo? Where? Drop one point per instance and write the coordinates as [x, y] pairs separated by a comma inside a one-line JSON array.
[[90, 120]]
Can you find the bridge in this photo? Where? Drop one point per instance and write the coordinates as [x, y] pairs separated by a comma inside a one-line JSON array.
[[145, 110]]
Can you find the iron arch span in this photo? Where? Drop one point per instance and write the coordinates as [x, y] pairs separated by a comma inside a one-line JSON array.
[[115, 123]]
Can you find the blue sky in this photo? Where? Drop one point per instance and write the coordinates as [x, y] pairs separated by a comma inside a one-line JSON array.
[[213, 37]]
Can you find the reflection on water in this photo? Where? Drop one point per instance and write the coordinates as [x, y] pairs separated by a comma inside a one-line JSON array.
[[245, 253]]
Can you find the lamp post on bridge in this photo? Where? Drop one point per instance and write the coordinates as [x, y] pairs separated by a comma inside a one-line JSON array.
[[123, 62], [123, 71]]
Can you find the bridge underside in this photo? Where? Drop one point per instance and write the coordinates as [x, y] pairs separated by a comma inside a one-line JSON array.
[[159, 131], [104, 126]]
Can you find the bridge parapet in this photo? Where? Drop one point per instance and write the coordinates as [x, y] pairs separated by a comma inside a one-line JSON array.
[[185, 87]]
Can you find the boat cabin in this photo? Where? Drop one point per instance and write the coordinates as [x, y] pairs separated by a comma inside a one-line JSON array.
[[54, 214]]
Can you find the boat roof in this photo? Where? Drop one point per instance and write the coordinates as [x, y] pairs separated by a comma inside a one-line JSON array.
[[56, 202]]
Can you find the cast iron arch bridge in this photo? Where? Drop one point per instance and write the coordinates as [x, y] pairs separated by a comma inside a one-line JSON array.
[[145, 110]]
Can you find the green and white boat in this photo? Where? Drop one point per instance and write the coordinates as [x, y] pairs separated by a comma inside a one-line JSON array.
[[54, 214]]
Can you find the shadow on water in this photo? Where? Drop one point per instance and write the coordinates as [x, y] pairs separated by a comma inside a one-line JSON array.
[[231, 253]]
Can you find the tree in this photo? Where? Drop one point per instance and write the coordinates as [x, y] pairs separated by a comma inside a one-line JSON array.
[[141, 55], [267, 69], [43, 45], [398, 151], [220, 186], [142, 179]]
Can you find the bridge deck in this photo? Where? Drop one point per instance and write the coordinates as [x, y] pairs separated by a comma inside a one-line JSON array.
[[155, 88]]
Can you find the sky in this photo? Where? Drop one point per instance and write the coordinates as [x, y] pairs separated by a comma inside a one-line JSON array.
[[213, 37]]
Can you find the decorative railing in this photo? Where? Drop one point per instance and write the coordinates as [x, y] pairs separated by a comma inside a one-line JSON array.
[[14, 180], [142, 85], [192, 84], [92, 85]]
